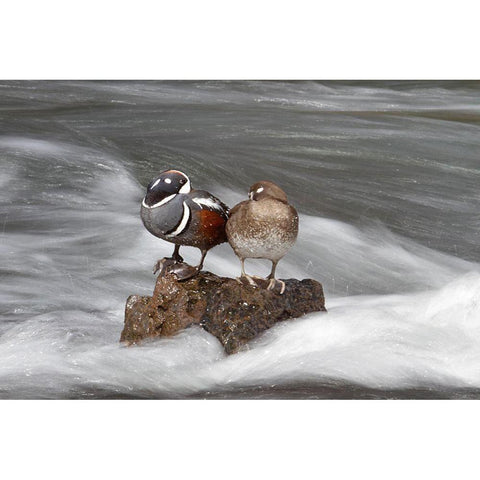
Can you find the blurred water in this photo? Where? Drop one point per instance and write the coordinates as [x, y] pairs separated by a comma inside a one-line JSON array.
[[385, 176]]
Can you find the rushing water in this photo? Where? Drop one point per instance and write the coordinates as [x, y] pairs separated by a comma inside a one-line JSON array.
[[385, 176]]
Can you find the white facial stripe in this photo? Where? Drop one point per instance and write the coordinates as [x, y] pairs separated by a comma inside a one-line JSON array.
[[162, 202], [183, 221], [155, 184], [207, 202], [260, 190]]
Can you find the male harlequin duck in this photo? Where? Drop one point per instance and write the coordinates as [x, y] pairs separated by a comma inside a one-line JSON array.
[[265, 226], [174, 212]]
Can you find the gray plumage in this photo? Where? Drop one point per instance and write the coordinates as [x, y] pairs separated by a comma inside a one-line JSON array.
[[174, 212]]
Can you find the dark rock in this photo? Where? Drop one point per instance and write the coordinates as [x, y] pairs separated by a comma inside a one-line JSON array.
[[235, 313]]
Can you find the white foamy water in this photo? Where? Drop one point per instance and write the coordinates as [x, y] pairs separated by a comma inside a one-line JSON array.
[[393, 241]]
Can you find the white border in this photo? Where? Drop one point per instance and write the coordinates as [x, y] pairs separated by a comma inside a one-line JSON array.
[[238, 439], [243, 40], [214, 39]]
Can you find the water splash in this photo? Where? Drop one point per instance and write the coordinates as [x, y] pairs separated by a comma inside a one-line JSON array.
[[401, 313]]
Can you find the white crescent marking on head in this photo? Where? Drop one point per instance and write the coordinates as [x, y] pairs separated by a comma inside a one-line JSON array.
[[155, 184], [158, 204], [183, 221]]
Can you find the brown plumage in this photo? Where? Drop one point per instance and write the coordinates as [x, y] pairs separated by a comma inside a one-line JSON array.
[[212, 226], [265, 226]]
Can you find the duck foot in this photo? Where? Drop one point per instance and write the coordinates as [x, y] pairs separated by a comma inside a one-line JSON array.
[[182, 271], [250, 280], [272, 284], [276, 285], [162, 265]]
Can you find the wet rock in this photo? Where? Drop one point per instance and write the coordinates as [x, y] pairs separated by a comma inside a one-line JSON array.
[[234, 313]]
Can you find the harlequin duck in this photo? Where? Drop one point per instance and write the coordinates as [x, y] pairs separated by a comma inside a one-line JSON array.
[[173, 211], [265, 226]]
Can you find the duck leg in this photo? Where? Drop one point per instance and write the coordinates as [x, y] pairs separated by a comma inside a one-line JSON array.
[[273, 282], [167, 262], [176, 255], [200, 265], [244, 278], [243, 274]]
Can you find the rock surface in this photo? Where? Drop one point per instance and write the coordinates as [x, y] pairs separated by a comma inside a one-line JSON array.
[[234, 313]]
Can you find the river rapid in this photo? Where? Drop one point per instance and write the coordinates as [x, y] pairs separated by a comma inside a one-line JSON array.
[[385, 177]]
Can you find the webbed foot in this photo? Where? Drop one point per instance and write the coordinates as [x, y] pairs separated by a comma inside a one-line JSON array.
[[183, 271], [247, 280], [162, 265]]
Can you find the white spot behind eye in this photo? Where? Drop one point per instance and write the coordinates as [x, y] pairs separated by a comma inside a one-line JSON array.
[[168, 180], [260, 190]]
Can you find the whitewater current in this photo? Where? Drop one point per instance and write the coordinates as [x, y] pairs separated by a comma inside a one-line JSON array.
[[384, 175]]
